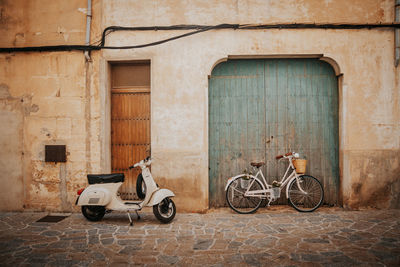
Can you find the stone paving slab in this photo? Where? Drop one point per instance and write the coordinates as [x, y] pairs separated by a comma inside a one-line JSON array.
[[278, 236]]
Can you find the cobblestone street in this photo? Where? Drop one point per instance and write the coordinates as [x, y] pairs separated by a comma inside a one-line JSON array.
[[278, 236]]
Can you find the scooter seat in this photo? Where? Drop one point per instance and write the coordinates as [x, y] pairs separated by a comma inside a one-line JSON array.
[[105, 178]]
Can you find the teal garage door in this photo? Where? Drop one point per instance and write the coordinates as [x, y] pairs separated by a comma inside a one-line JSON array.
[[262, 108]]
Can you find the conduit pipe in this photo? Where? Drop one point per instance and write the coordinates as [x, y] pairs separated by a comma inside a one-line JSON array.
[[397, 33], [199, 29], [88, 22]]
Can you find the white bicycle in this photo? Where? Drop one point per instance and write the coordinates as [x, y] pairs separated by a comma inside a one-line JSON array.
[[245, 192]]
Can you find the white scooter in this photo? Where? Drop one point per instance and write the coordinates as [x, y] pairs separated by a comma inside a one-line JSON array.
[[101, 196]]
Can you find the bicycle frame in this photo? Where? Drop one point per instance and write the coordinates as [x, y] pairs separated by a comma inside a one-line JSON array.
[[286, 179], [246, 192]]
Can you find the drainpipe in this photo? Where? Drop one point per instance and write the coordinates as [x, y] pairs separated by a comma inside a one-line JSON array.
[[88, 21], [89, 71], [397, 34]]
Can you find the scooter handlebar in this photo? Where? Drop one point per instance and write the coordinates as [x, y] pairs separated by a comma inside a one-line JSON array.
[[146, 162]]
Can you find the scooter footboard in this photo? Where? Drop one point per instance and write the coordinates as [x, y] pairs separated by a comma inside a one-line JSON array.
[[159, 195]]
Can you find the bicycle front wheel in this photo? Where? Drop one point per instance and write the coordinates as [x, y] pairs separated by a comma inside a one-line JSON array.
[[306, 195], [236, 198]]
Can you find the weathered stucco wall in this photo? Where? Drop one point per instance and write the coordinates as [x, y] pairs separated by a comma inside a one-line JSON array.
[[46, 96], [11, 117], [41, 22], [59, 98], [369, 124], [174, 12]]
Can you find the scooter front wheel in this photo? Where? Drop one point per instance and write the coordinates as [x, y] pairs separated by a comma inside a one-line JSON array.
[[93, 213], [165, 210], [140, 187]]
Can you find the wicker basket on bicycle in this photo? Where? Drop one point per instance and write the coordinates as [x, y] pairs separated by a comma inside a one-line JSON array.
[[300, 165]]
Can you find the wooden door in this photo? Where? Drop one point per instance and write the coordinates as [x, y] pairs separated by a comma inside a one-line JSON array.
[[236, 122], [261, 108], [130, 121]]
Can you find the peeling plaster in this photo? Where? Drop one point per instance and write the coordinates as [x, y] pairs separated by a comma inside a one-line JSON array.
[[34, 108], [4, 91], [375, 178], [82, 10]]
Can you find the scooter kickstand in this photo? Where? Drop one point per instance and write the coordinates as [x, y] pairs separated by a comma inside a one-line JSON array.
[[138, 216], [130, 219]]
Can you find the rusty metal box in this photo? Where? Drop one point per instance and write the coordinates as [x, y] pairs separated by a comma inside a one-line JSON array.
[[55, 153]]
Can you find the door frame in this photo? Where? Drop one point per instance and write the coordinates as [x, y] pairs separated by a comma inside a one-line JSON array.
[[341, 110], [105, 106]]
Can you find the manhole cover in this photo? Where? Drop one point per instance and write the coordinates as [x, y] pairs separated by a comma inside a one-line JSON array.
[[52, 218]]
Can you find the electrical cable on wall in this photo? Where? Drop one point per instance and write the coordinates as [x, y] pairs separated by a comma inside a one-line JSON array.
[[100, 44]]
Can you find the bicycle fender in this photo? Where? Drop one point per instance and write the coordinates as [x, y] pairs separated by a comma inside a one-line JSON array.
[[230, 180]]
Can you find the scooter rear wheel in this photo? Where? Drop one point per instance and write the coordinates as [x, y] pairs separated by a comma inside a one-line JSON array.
[[93, 213], [165, 210]]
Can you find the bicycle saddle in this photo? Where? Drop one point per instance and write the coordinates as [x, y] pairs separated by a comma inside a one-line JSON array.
[[257, 164]]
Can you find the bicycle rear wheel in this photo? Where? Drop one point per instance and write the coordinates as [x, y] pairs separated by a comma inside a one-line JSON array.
[[235, 195], [309, 197]]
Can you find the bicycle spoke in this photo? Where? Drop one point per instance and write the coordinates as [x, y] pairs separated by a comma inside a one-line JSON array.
[[241, 192], [296, 192], [306, 194], [236, 195], [253, 200]]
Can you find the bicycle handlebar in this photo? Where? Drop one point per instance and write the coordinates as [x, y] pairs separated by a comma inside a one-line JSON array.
[[287, 155]]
